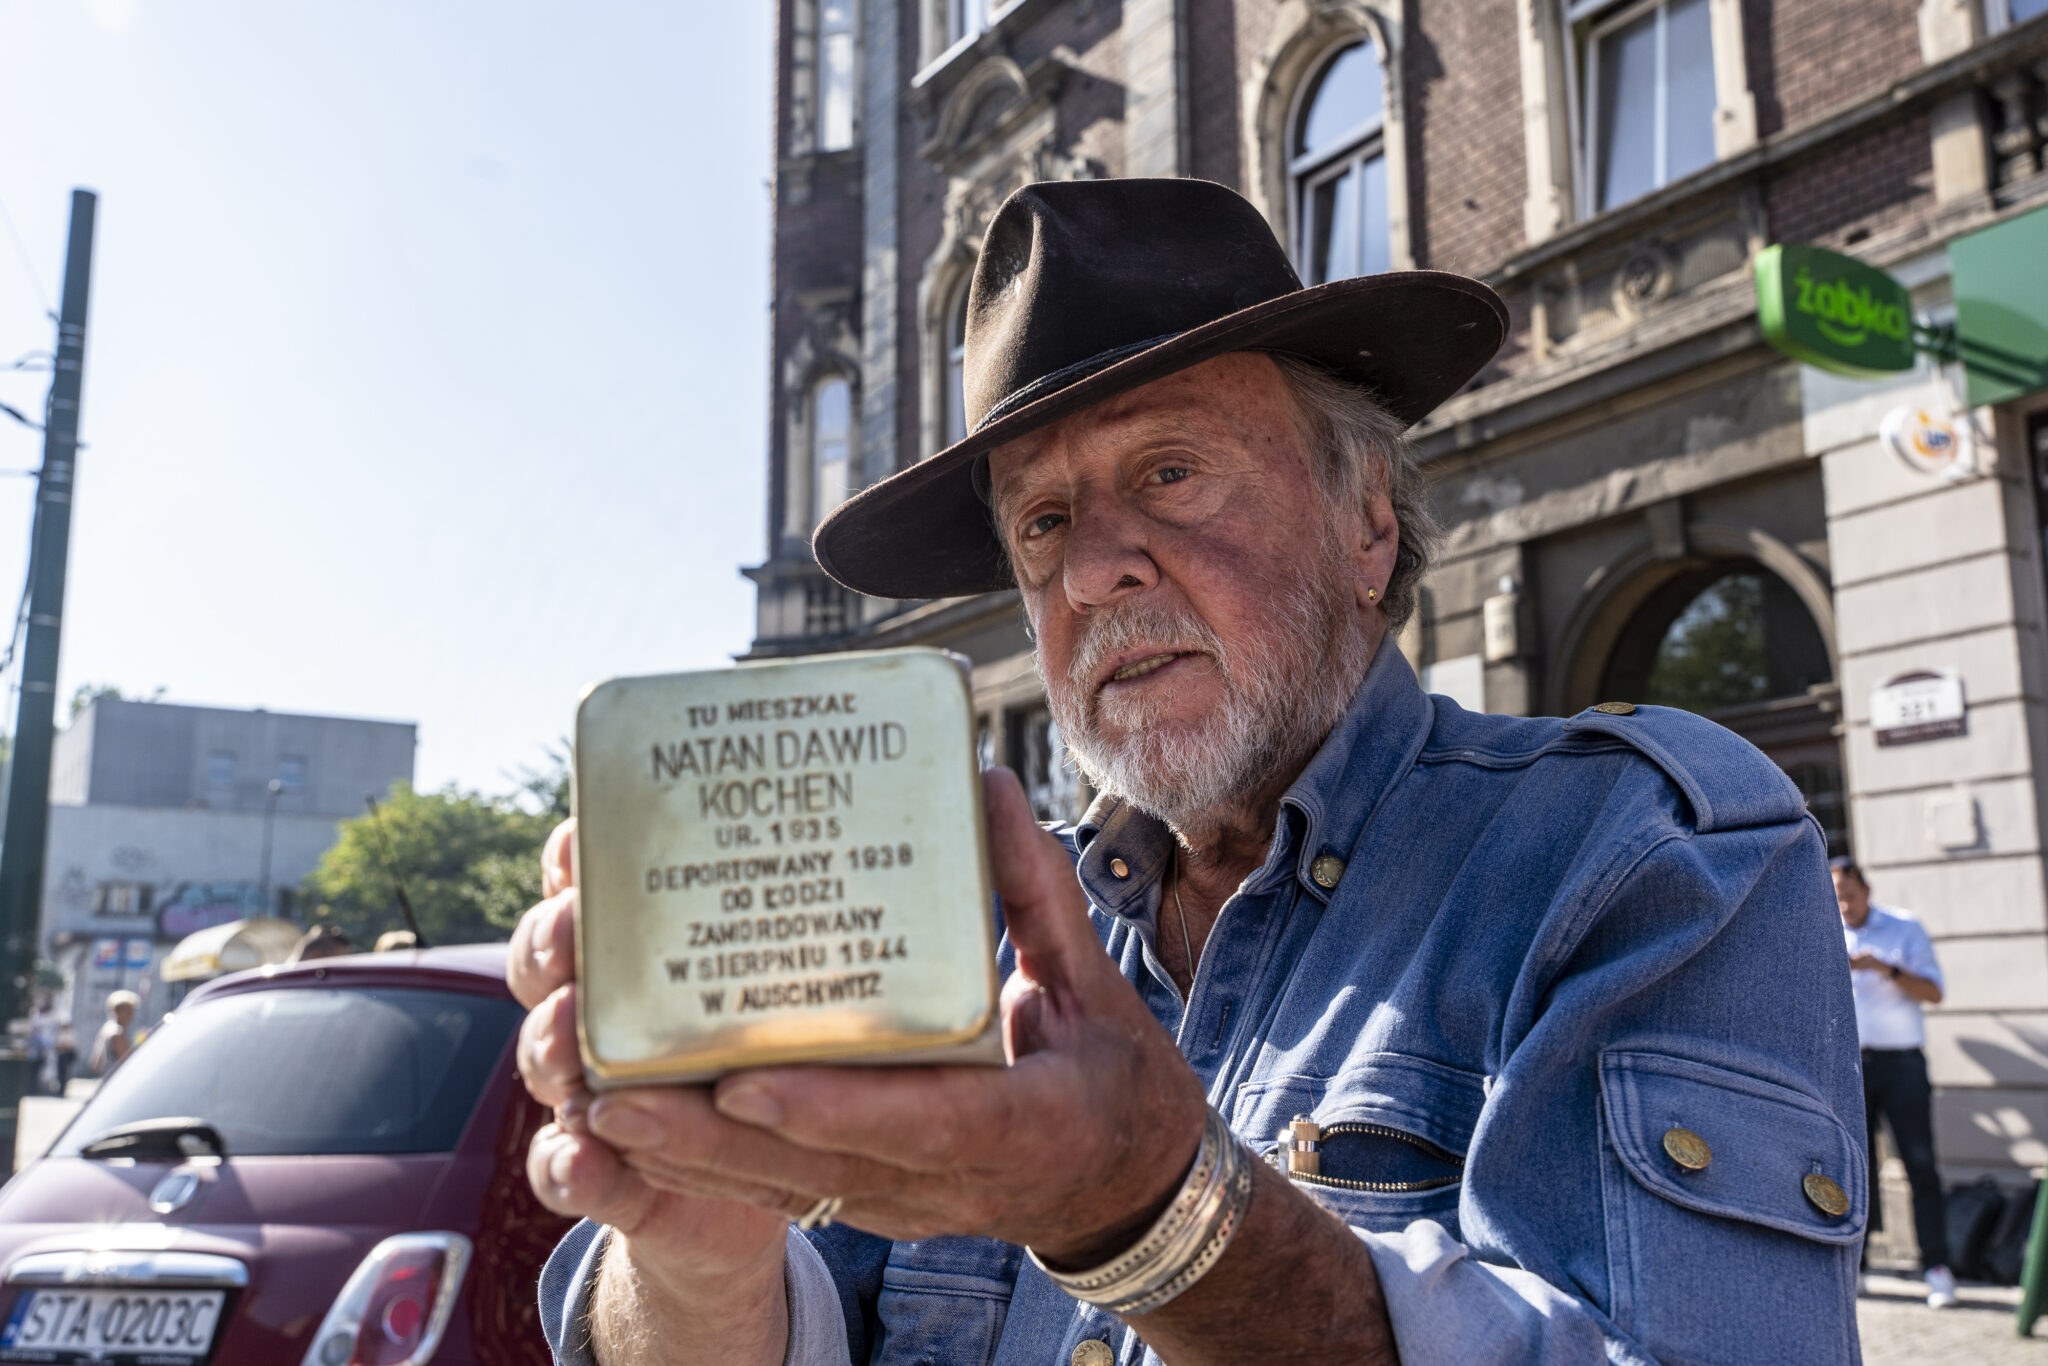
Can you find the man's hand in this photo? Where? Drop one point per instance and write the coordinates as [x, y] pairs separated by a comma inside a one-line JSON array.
[[1071, 1149], [684, 1239], [1868, 962]]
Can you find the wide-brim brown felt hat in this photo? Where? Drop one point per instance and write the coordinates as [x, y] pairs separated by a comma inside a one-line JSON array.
[[1089, 288]]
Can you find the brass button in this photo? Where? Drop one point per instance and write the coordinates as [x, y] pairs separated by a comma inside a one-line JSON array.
[[1326, 870], [1119, 867], [1616, 708], [1687, 1149], [1829, 1198], [1093, 1353]]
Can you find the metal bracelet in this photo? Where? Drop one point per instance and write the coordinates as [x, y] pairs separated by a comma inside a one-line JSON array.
[[1187, 1239]]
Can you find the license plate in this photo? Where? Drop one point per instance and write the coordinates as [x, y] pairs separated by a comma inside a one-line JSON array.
[[112, 1327]]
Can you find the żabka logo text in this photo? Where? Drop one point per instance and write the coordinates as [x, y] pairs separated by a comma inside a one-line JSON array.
[[1847, 316]]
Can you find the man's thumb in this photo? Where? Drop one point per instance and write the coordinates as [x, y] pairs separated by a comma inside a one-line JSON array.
[[1043, 908]]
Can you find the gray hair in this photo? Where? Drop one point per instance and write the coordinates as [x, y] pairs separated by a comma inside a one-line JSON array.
[[1360, 449]]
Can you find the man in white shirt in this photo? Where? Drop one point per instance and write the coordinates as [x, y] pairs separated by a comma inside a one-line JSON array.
[[1893, 973]]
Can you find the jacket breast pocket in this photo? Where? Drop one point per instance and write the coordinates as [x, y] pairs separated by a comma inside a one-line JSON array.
[[1733, 1208], [1389, 1133], [943, 1301]]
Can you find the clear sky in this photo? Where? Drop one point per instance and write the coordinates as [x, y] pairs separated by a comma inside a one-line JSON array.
[[426, 369]]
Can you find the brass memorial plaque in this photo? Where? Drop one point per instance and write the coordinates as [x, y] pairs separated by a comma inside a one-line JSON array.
[[782, 863]]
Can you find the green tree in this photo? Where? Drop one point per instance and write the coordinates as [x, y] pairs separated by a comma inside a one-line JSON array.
[[85, 694], [469, 863]]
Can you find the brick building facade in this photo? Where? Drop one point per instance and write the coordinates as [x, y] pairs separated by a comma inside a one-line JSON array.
[[1642, 498]]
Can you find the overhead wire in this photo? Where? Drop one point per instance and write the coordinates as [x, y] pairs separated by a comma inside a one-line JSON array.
[[28, 266]]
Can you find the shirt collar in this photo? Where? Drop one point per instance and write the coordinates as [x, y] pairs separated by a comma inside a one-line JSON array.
[[1322, 812]]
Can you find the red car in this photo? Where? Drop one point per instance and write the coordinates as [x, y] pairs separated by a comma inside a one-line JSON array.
[[321, 1164]]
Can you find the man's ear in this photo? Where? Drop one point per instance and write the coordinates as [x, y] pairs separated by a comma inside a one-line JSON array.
[[1374, 553]]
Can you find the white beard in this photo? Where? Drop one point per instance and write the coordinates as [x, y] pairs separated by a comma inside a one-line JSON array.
[[1283, 694]]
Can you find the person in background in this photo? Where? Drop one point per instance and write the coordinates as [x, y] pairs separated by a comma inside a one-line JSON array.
[[67, 1055], [42, 1045], [1893, 973], [112, 1045]]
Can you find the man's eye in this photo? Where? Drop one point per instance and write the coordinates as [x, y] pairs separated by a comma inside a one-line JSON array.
[[1173, 474], [1044, 522]]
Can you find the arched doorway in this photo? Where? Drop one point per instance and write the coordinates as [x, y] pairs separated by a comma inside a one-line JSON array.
[[1731, 640]]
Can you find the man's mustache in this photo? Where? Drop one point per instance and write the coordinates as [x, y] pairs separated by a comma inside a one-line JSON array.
[[1132, 624]]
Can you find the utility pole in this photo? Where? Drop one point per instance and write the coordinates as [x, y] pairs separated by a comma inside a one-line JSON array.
[[28, 780]]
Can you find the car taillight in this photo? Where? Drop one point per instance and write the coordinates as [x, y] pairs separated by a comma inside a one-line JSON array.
[[395, 1307]]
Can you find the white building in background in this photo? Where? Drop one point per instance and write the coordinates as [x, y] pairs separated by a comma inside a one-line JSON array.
[[164, 820]]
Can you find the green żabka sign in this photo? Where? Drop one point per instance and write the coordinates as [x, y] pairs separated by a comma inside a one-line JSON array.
[[1833, 312]]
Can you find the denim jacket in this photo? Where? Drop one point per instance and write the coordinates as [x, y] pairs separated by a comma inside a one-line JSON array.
[[1498, 960]]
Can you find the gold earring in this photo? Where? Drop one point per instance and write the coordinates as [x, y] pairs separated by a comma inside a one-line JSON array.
[[1372, 595]]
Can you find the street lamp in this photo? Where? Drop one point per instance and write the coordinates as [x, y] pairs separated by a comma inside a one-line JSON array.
[[269, 815]]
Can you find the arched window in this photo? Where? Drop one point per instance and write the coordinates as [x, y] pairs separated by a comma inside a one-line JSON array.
[[1733, 641], [831, 444], [956, 367], [1338, 170], [1720, 637], [835, 75]]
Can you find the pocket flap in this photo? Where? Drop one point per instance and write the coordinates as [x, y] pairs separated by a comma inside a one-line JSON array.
[[1763, 1141]]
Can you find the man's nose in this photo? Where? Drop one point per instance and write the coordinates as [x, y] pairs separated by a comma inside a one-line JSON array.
[[1106, 557]]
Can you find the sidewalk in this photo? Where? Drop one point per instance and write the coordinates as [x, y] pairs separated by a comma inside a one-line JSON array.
[[1898, 1328]]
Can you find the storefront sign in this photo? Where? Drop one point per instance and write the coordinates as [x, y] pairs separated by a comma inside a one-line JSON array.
[[2002, 308], [1924, 705], [1928, 443], [1833, 312]]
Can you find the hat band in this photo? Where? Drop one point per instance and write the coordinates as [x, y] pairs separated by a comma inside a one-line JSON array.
[[1065, 375]]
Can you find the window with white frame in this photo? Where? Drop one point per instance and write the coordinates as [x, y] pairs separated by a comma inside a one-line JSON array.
[[1337, 169], [966, 18], [955, 396], [1645, 92], [835, 75], [831, 444], [2000, 15]]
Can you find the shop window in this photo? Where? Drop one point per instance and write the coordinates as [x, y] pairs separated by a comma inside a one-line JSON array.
[[126, 899], [1040, 758], [835, 75], [1337, 169], [831, 444], [955, 394], [1645, 94]]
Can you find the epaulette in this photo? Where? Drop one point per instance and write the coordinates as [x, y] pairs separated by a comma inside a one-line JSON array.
[[1725, 779]]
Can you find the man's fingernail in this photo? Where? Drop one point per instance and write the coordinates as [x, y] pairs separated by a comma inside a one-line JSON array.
[[750, 1103], [622, 1124], [544, 939]]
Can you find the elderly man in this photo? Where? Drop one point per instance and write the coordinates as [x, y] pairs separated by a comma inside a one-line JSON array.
[[1418, 1033]]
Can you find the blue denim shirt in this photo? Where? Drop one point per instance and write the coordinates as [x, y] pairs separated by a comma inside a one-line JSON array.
[[1552, 942]]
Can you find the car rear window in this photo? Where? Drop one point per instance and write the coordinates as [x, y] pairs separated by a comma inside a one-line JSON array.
[[312, 1070]]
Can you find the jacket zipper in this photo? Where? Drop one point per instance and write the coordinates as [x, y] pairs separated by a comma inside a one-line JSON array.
[[1299, 1156]]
